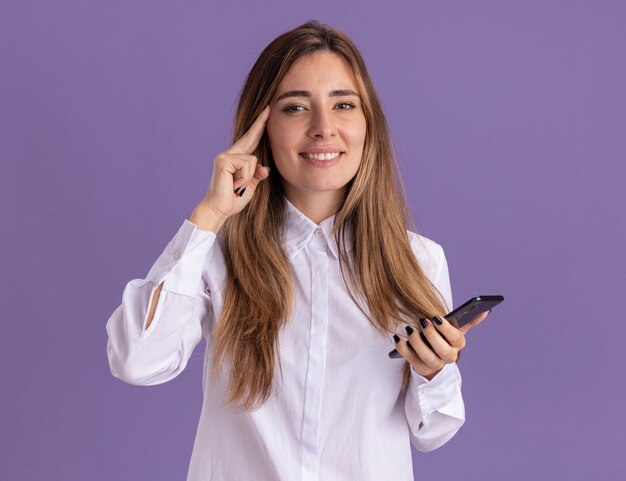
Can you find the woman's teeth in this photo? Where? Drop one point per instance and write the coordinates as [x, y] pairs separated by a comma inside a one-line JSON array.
[[327, 156]]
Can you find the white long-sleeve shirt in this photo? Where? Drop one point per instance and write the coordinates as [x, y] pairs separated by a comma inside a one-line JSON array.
[[337, 414]]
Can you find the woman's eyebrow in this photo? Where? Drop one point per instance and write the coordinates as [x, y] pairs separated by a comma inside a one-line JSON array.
[[306, 93]]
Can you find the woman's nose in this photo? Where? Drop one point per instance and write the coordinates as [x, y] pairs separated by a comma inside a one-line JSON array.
[[322, 125]]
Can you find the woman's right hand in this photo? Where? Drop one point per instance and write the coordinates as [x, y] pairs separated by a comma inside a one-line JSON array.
[[235, 177]]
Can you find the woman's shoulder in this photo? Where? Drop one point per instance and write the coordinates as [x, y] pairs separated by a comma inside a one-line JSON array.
[[428, 252]]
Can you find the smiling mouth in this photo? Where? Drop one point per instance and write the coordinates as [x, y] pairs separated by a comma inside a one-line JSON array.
[[325, 156]]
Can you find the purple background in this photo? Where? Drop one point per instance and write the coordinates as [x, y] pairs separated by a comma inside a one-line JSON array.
[[509, 121]]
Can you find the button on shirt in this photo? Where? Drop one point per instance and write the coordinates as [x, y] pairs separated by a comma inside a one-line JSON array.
[[337, 412]]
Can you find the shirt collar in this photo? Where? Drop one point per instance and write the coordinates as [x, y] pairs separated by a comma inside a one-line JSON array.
[[300, 230]]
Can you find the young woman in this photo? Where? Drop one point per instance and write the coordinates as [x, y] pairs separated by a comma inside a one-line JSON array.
[[299, 267]]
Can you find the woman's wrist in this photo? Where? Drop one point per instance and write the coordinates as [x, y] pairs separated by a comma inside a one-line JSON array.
[[206, 219]]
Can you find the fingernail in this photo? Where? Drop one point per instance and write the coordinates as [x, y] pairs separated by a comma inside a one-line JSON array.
[[237, 190], [396, 338], [437, 320], [409, 330], [424, 323], [242, 191]]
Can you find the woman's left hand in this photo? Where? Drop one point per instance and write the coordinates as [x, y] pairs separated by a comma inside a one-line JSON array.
[[446, 341]]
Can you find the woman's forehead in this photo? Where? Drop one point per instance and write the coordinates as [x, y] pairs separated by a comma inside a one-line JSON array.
[[327, 72]]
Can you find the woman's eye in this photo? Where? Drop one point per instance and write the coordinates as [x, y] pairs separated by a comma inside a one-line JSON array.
[[347, 103], [297, 108], [289, 107]]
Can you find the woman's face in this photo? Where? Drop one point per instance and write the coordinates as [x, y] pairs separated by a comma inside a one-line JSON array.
[[317, 109]]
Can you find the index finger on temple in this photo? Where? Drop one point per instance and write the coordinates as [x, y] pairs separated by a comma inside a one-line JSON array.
[[249, 141]]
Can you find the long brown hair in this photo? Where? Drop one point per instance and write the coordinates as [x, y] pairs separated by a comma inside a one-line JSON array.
[[382, 266]]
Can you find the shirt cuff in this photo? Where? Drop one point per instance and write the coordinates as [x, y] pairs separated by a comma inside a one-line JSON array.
[[182, 262], [439, 392]]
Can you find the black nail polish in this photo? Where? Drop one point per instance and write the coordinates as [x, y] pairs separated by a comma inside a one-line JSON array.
[[409, 330], [437, 320], [237, 190], [396, 338], [242, 191], [424, 323]]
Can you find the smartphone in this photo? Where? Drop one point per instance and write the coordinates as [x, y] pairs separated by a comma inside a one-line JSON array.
[[464, 313]]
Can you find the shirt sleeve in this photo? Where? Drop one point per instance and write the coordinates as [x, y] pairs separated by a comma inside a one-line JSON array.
[[434, 409], [155, 355]]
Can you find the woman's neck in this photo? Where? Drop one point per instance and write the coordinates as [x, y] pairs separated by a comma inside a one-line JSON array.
[[317, 206]]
